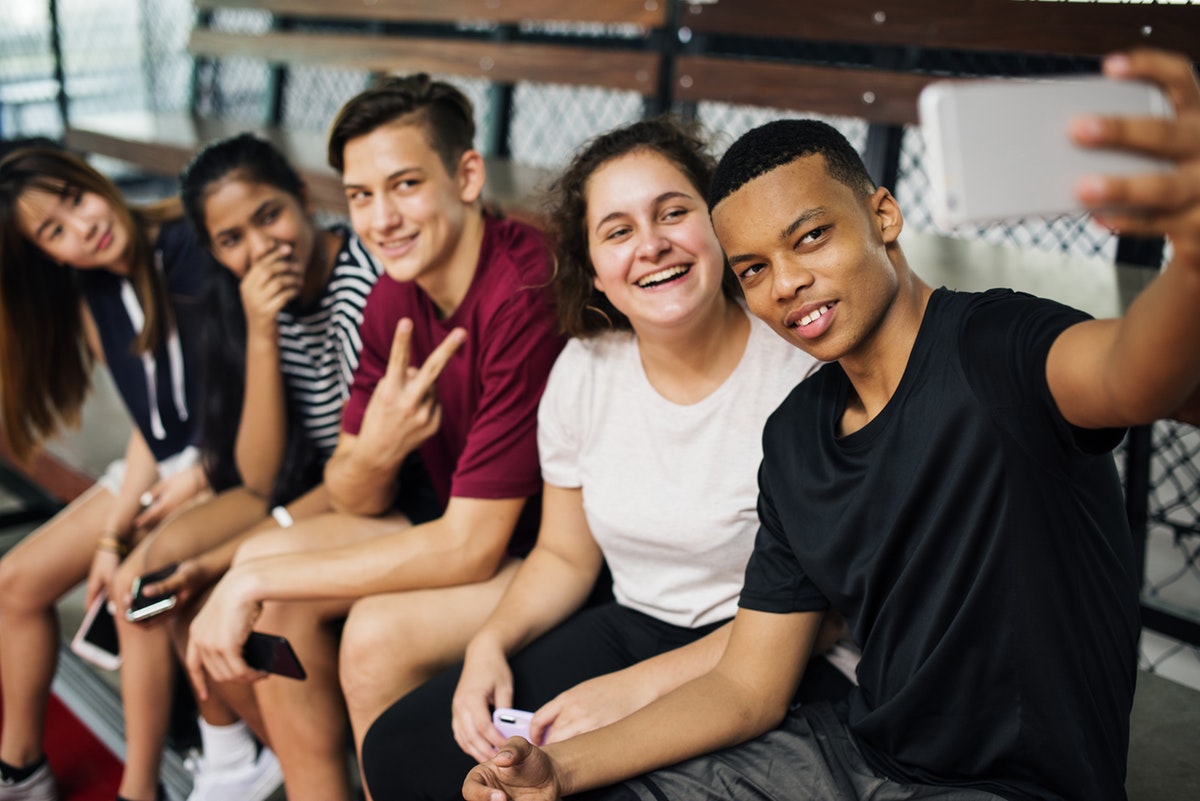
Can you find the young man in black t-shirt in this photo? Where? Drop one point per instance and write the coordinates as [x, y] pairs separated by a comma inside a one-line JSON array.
[[946, 482]]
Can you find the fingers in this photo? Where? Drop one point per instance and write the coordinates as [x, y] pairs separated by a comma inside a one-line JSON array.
[[437, 360], [1171, 71], [1158, 137], [397, 365], [543, 719], [195, 671]]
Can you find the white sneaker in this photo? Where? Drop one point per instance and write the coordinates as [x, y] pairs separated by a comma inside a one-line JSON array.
[[39, 786], [251, 783]]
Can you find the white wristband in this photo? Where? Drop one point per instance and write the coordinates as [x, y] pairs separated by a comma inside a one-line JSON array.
[[282, 517]]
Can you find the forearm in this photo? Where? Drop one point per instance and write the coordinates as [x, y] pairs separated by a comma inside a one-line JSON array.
[[357, 484], [1156, 355], [743, 696], [700, 716], [262, 430], [544, 592], [141, 471], [666, 672], [411, 558]]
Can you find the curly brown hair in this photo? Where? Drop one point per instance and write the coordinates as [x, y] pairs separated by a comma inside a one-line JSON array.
[[582, 309]]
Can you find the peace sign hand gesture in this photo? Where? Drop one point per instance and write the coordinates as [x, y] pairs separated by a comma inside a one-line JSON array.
[[403, 411]]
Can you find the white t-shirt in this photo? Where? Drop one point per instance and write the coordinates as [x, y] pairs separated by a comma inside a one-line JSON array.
[[670, 492]]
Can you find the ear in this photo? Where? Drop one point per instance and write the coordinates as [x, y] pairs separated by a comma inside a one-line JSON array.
[[886, 213], [596, 284], [471, 175]]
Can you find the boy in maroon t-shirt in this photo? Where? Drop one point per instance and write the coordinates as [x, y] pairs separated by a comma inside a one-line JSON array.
[[458, 339]]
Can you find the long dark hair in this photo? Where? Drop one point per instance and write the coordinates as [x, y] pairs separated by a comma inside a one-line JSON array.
[[45, 364], [582, 309], [244, 158]]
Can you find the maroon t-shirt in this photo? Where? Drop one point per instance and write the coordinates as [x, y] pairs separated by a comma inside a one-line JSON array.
[[489, 391]]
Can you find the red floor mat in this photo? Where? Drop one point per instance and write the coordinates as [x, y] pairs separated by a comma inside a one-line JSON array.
[[86, 770]]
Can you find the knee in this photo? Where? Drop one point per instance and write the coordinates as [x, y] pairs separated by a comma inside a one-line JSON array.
[[27, 583], [364, 651], [16, 583]]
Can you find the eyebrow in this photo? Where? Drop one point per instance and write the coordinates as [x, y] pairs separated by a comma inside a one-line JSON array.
[[61, 196], [258, 210], [392, 177], [665, 196], [804, 219]]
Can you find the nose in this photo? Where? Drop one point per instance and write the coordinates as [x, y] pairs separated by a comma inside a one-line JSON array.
[[384, 213], [653, 244], [790, 277], [261, 243], [84, 226]]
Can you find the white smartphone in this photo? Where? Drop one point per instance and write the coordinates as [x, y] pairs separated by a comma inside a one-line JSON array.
[[512, 722], [96, 640], [1000, 149]]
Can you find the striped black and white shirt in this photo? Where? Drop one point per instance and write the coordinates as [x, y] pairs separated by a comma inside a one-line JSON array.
[[319, 345]]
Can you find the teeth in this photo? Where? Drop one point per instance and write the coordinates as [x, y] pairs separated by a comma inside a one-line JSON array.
[[814, 315], [661, 275]]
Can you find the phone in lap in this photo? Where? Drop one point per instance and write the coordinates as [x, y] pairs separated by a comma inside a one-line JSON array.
[[1000, 149], [273, 654], [96, 641], [141, 607], [512, 722]]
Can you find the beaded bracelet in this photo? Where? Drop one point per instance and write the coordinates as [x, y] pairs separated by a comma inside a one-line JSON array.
[[112, 545]]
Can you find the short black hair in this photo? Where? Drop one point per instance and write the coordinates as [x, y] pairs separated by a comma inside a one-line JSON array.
[[781, 142]]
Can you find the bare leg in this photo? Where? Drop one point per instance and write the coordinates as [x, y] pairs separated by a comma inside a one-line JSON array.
[[148, 661], [306, 721], [33, 576], [393, 643]]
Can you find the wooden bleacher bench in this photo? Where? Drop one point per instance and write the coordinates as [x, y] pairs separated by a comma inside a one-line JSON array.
[[418, 36], [164, 143]]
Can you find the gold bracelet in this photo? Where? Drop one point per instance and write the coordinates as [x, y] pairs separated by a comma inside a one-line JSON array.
[[112, 545]]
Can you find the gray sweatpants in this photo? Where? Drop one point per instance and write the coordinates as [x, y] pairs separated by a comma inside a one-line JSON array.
[[810, 756]]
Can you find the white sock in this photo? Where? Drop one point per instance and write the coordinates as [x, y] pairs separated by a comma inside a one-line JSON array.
[[227, 747]]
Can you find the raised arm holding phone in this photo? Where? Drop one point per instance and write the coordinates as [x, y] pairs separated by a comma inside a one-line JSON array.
[[957, 466]]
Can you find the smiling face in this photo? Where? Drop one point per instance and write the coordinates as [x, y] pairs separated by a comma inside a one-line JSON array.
[[650, 241], [812, 255], [404, 204], [74, 227], [248, 221]]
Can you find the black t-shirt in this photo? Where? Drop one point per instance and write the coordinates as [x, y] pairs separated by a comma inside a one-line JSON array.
[[978, 545], [161, 390]]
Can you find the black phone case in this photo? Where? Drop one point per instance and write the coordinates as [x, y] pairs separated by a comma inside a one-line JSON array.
[[273, 654]]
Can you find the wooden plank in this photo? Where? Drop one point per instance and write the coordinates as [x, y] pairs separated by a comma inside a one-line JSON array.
[[511, 62], [645, 13], [873, 95], [1021, 26], [164, 143]]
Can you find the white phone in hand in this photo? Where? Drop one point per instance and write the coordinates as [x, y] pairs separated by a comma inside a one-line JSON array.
[[96, 640], [1000, 149]]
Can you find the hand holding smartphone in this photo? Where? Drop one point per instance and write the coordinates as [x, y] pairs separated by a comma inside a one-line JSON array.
[[143, 607], [512, 722], [96, 641], [1001, 149]]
